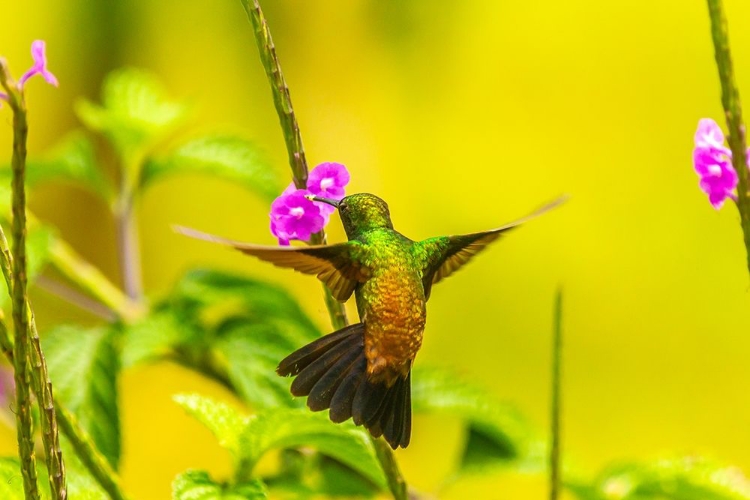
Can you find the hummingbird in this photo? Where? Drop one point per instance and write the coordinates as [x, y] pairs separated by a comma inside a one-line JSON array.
[[363, 371]]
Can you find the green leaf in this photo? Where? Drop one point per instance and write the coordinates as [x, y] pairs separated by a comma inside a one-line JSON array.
[[154, 337], [224, 422], [231, 328], [244, 328], [690, 478], [83, 367], [282, 429], [218, 155], [198, 485], [496, 433], [39, 242], [252, 353], [216, 298], [73, 160], [11, 481], [135, 111], [306, 475], [332, 478]]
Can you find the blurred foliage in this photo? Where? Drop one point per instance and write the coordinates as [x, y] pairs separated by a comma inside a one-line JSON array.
[[406, 70], [84, 366]]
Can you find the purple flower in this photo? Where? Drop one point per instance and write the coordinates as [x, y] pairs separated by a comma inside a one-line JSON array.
[[717, 177], [328, 180], [713, 163], [710, 136], [40, 65], [3, 97], [294, 217]]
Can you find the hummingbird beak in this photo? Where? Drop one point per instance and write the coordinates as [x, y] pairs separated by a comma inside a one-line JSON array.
[[333, 203]]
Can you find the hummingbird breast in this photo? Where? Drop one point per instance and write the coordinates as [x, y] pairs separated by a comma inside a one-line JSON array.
[[392, 307]]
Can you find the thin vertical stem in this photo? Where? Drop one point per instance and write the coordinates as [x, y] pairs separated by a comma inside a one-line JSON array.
[[298, 163], [129, 253], [281, 98], [396, 482], [21, 328], [556, 406], [730, 101], [82, 443], [290, 128], [41, 383], [21, 345]]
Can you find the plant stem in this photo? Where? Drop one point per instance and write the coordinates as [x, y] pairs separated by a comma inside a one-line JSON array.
[[289, 126], [76, 298], [82, 443], [730, 101], [556, 406], [86, 450], [281, 98], [21, 345], [74, 267], [84, 446], [283, 102], [396, 482], [127, 232]]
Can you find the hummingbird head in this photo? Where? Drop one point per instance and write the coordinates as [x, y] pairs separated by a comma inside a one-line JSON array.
[[360, 212]]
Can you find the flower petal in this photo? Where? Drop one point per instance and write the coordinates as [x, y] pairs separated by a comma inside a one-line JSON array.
[[328, 180], [709, 134], [294, 217], [39, 67]]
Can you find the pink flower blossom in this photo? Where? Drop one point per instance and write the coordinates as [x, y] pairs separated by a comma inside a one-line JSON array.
[[713, 163], [40, 65], [294, 217], [328, 180]]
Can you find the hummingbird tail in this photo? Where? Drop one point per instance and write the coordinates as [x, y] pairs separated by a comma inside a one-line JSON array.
[[332, 372]]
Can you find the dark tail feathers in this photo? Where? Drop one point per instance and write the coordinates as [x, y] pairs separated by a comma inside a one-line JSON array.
[[332, 372]]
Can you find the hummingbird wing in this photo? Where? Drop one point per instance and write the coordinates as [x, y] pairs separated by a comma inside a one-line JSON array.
[[338, 266], [442, 256]]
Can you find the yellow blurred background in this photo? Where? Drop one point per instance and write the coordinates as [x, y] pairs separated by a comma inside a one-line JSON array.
[[462, 115]]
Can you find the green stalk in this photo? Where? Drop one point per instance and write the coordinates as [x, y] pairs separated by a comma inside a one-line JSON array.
[[298, 163], [556, 406], [89, 455], [68, 262], [290, 128], [82, 443], [22, 342], [730, 101], [396, 482], [42, 385]]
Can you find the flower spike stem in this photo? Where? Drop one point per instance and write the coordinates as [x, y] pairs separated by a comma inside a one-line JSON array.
[[290, 128], [22, 344], [730, 100], [281, 98], [554, 454], [298, 163], [82, 443]]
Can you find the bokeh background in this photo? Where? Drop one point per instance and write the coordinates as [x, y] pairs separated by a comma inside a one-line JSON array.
[[462, 115]]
